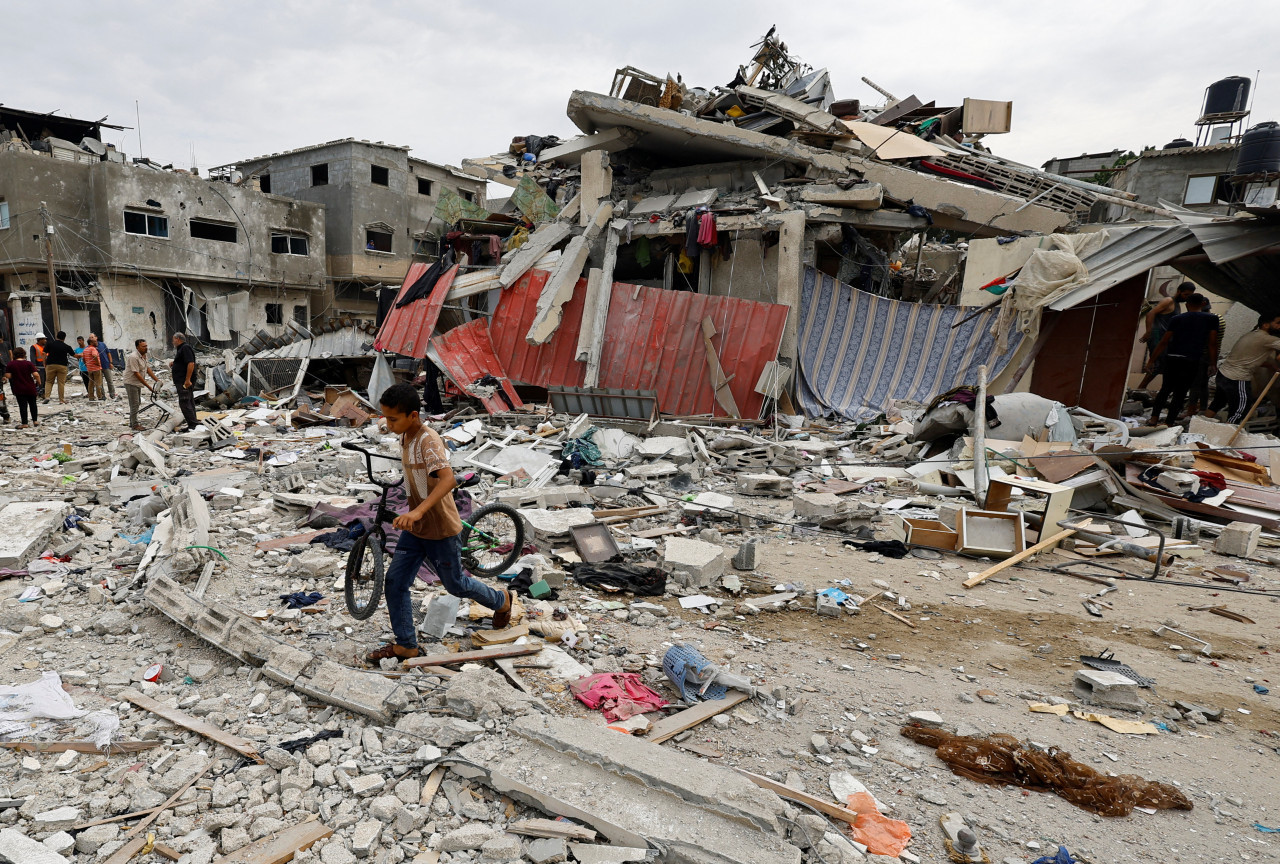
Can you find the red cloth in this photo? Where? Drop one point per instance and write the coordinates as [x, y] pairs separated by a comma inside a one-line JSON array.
[[619, 694], [1212, 479], [707, 231]]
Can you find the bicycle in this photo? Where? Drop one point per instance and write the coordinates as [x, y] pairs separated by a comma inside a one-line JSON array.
[[492, 539]]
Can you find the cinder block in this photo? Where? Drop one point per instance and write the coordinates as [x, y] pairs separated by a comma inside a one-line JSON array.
[[1239, 539], [1107, 689], [746, 557], [703, 561], [815, 505], [764, 484]]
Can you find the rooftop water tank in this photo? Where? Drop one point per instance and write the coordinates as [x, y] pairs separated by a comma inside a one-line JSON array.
[[1259, 150], [1177, 144], [1227, 96]]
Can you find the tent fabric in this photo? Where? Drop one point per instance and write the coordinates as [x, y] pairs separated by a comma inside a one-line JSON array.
[[1048, 274], [860, 352]]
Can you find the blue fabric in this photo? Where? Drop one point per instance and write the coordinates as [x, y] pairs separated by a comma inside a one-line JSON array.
[[444, 556], [1063, 857], [859, 352]]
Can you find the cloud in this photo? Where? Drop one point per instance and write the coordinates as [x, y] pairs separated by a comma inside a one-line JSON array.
[[236, 79]]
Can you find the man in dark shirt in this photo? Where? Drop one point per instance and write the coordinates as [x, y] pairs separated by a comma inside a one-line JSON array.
[[184, 367], [1190, 336], [57, 357]]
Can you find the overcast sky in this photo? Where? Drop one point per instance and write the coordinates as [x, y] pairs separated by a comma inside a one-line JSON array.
[[230, 80]]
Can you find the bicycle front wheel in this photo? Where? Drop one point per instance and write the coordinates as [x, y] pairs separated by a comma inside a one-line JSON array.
[[365, 574], [492, 539]]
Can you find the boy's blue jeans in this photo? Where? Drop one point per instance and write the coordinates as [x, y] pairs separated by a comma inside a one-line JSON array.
[[445, 558]]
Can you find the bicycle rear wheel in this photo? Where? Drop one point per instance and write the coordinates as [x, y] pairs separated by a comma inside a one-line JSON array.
[[493, 540], [363, 583]]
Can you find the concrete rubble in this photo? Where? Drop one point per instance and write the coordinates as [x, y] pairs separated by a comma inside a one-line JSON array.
[[795, 589]]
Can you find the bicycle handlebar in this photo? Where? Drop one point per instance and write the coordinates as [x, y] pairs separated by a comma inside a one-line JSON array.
[[368, 463]]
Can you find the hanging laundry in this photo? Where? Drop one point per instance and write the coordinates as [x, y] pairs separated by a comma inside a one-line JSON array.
[[691, 234], [428, 280], [707, 231], [642, 252]]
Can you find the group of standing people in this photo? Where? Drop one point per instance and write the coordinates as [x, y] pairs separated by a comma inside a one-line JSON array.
[[1184, 350], [91, 358]]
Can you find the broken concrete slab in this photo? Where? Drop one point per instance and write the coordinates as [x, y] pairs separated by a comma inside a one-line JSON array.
[[1107, 690], [556, 523], [539, 243], [28, 527], [696, 812], [585, 853], [670, 447], [815, 505], [861, 196], [18, 848], [704, 562], [764, 484]]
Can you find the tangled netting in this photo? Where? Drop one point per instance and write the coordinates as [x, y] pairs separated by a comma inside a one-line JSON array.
[[1002, 759]]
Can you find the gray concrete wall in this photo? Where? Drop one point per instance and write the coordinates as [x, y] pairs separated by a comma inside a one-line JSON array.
[[1164, 177]]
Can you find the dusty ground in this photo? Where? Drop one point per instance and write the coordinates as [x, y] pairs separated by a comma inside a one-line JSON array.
[[1020, 637]]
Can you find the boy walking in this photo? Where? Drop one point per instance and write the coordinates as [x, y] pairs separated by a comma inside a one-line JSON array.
[[429, 530]]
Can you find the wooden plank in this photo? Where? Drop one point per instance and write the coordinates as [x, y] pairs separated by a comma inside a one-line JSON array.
[[551, 829], [835, 811], [1044, 544], [123, 817], [279, 848], [719, 383], [893, 614], [499, 637], [243, 746], [79, 746], [136, 839], [474, 656], [431, 787], [168, 852], [669, 727]]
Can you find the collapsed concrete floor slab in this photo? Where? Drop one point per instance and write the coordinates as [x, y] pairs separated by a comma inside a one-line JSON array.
[[632, 792]]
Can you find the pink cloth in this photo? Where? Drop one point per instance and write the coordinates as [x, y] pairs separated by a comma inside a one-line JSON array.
[[707, 231], [619, 694]]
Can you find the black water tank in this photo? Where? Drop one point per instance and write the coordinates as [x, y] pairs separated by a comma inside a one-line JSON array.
[[1177, 144], [1259, 150], [1226, 96]]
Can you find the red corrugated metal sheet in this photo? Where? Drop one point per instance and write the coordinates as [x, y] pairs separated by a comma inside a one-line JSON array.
[[466, 354], [652, 342], [552, 363], [407, 330]]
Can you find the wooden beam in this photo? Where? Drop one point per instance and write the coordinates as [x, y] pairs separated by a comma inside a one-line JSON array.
[[474, 656], [593, 327], [115, 748], [281, 847], [719, 383], [1044, 544], [893, 614], [243, 746], [835, 811], [431, 787], [669, 727]]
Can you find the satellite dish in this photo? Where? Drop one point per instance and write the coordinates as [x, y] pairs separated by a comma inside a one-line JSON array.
[[94, 146]]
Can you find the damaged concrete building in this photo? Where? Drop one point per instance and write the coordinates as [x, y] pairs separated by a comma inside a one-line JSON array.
[[378, 209], [141, 251]]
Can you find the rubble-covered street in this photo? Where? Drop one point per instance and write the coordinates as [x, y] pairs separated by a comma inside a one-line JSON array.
[[815, 449]]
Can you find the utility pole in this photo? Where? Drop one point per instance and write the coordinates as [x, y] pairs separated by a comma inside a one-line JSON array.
[[48, 261]]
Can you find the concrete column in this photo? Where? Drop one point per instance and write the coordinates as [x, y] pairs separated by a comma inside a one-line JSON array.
[[597, 184], [791, 251]]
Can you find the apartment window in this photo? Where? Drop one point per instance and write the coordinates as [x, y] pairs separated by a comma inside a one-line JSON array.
[[377, 241], [379, 176], [203, 229], [320, 174], [300, 315], [424, 186], [275, 313], [264, 182], [1200, 190], [289, 244], [146, 224], [4, 215], [467, 196], [428, 248]]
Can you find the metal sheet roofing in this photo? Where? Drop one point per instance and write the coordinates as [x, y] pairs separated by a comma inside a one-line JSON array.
[[466, 355], [1128, 252], [408, 329], [346, 342], [652, 341]]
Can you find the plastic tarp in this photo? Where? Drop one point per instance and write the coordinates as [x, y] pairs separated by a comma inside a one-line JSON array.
[[1048, 274], [380, 379]]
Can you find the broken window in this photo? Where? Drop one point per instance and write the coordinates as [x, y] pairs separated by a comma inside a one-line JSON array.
[[377, 241], [275, 313], [289, 244], [427, 247], [320, 174], [4, 214], [146, 224], [264, 182], [379, 176], [1200, 190], [467, 196], [300, 314], [424, 186], [203, 229]]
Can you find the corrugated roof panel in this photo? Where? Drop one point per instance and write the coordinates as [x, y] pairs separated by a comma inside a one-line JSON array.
[[653, 341], [552, 363], [466, 354], [408, 329]]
